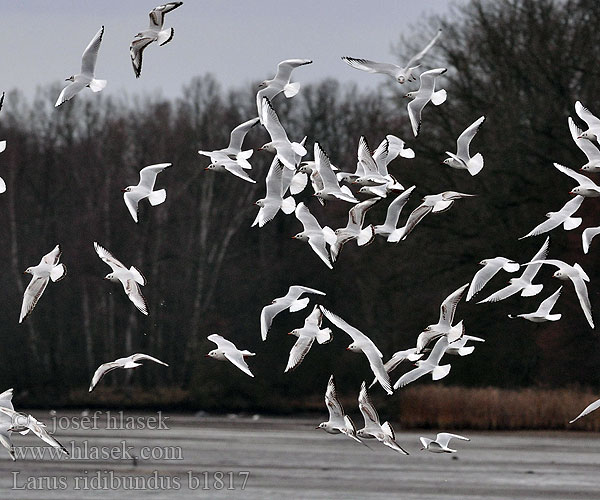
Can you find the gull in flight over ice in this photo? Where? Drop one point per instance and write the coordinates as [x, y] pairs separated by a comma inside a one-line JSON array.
[[523, 283], [393, 214], [587, 236], [291, 300], [273, 200], [132, 361], [564, 216], [48, 269], [587, 187], [331, 189], [578, 277], [306, 337], [131, 278], [462, 159], [592, 121], [227, 351], [588, 409], [290, 153], [373, 428], [86, 77], [318, 237], [444, 325], [542, 314], [433, 203], [145, 189], [354, 229], [590, 150], [489, 270], [440, 443], [339, 422], [154, 33], [362, 343], [429, 365], [398, 73], [6, 423], [232, 158], [24, 423], [421, 97], [280, 83]]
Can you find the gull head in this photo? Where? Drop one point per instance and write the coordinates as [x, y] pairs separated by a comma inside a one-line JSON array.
[[300, 236], [260, 203], [268, 147], [322, 425], [448, 161], [411, 95], [353, 347], [483, 262], [294, 332], [70, 79], [127, 189], [212, 166], [304, 168], [560, 275], [575, 190], [588, 135], [263, 84], [29, 270], [401, 79], [111, 277], [550, 214]]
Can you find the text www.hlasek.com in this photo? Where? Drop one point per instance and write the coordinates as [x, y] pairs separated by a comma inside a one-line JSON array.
[[84, 451]]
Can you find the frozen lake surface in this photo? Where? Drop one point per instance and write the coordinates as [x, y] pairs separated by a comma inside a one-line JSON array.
[[184, 456]]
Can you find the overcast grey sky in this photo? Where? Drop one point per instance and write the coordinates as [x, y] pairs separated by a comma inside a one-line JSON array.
[[239, 42]]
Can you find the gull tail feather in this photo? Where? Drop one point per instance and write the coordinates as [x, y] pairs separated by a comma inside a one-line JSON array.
[[299, 304], [439, 97], [288, 205], [440, 372], [475, 164], [157, 197], [572, 223], [58, 272], [531, 290], [291, 89], [97, 85]]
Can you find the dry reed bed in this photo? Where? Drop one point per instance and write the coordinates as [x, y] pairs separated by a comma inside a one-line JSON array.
[[493, 408]]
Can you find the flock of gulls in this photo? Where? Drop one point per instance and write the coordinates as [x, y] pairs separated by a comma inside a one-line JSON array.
[[288, 176]]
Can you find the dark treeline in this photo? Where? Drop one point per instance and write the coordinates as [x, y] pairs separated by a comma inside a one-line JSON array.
[[521, 63]]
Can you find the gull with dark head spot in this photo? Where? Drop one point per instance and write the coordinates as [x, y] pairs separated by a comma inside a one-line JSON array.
[[444, 325], [564, 216], [362, 343], [154, 33], [421, 97], [132, 361], [590, 150], [398, 73], [280, 83], [86, 77], [22, 424], [233, 154], [578, 277], [354, 229], [338, 422], [273, 201], [316, 236], [373, 428], [291, 300], [523, 283], [227, 351], [592, 121], [440, 443], [429, 365], [489, 270], [463, 160], [542, 314], [433, 203], [48, 269], [145, 189], [131, 278], [587, 187], [393, 214], [290, 153], [331, 189], [306, 337]]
